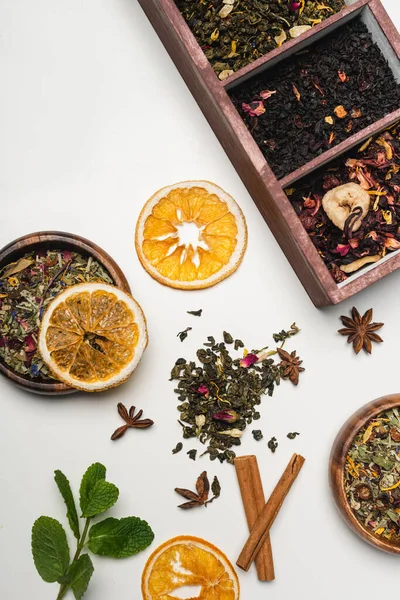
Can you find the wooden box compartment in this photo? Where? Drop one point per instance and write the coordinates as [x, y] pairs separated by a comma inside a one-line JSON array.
[[267, 191]]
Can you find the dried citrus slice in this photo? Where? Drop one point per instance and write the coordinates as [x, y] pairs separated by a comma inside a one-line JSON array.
[[189, 561], [92, 336], [191, 235]]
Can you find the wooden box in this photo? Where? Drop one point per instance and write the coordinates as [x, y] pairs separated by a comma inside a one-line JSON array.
[[266, 190]]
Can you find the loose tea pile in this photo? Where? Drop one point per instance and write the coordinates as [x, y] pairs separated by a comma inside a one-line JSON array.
[[317, 98], [375, 167], [26, 288], [372, 475], [234, 33], [221, 397]]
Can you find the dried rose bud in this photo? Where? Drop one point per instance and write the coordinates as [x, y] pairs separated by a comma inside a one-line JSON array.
[[235, 433], [248, 360], [294, 5], [203, 389], [228, 416]]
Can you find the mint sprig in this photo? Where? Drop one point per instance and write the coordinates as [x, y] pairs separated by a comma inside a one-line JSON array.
[[117, 538]]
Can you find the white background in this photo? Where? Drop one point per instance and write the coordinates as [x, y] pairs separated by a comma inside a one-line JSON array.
[[94, 118]]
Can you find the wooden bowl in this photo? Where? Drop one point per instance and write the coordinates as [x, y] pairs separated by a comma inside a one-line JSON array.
[[337, 459], [55, 240]]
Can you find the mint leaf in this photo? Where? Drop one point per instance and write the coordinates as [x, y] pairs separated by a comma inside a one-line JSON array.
[[49, 549], [79, 575], [102, 497], [95, 473], [120, 538], [66, 492]]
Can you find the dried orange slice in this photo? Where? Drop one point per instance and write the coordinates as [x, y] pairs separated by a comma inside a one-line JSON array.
[[191, 235], [189, 561], [92, 336]]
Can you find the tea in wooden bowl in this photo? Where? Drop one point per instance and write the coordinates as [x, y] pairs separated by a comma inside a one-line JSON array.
[[33, 270], [365, 473]]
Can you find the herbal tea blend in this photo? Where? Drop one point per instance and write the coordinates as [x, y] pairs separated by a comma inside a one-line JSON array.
[[372, 475], [315, 99], [365, 232], [221, 396], [26, 288], [234, 33]]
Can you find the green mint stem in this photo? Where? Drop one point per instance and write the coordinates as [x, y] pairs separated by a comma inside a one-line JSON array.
[[65, 587]]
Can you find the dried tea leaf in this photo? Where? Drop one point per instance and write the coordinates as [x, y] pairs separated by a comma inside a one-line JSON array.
[[177, 448], [195, 313]]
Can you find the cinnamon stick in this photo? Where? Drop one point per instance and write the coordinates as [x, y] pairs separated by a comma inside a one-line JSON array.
[[260, 531], [253, 499]]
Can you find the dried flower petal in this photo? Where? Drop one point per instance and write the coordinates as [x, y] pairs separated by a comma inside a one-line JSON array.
[[265, 94], [255, 109]]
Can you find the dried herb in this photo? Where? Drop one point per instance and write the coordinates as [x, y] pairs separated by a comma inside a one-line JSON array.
[[257, 434], [116, 538], [201, 495], [361, 330], [293, 125], [27, 286], [373, 168], [228, 339], [220, 395], [195, 313], [292, 435], [238, 344], [283, 335], [132, 421], [372, 475], [234, 33], [182, 335], [192, 454], [290, 365], [272, 444], [177, 448]]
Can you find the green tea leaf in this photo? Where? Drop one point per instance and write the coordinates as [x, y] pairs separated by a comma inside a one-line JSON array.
[[66, 492], [120, 538], [95, 473], [102, 497], [79, 575], [49, 549]]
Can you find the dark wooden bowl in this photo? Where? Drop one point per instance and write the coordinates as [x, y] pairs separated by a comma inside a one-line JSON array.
[[339, 451], [61, 240]]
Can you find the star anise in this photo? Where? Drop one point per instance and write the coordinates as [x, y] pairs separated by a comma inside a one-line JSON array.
[[131, 421], [290, 365], [200, 497], [360, 330]]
